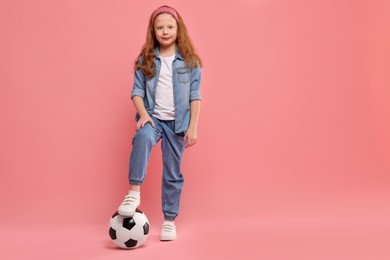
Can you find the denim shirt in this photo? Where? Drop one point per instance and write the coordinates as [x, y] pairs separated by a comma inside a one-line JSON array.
[[186, 88]]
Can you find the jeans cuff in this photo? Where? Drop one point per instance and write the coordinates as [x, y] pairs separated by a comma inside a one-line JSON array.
[[170, 218], [135, 182]]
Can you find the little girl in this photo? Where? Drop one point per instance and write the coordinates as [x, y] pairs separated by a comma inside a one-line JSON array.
[[167, 99]]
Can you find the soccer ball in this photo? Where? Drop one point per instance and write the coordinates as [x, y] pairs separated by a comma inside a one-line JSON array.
[[129, 232]]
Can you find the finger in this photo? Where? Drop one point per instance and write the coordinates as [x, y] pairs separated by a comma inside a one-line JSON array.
[[152, 122], [185, 138]]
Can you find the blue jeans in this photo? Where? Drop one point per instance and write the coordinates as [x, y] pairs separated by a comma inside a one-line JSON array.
[[172, 152]]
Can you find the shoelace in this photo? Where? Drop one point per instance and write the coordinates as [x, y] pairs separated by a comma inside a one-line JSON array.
[[168, 227], [129, 200]]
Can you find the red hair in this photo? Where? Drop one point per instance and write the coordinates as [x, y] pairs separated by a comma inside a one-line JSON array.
[[183, 42]]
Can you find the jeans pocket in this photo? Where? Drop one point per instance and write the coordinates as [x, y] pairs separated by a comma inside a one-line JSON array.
[[182, 134]]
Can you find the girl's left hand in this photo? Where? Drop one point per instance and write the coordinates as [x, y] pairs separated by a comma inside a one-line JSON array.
[[191, 137]]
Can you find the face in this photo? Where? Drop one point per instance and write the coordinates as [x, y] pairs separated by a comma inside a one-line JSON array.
[[165, 28]]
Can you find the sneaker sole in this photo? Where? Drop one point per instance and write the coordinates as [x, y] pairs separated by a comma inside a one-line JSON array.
[[126, 213], [164, 238]]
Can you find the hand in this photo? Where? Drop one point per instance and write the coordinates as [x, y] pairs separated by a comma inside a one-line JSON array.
[[142, 122], [191, 136]]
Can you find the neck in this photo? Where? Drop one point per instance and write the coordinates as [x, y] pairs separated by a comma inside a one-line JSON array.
[[168, 50]]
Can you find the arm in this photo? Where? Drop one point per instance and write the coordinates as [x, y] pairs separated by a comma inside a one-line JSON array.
[[192, 132], [138, 95]]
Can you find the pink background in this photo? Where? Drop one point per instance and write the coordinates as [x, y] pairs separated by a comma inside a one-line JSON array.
[[293, 155]]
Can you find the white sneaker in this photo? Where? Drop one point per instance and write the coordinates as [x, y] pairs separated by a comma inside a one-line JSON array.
[[168, 231], [129, 205]]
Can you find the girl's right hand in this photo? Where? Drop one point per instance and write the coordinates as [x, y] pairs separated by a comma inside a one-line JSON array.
[[143, 121]]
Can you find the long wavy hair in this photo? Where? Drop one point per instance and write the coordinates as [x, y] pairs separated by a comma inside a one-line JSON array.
[[183, 43]]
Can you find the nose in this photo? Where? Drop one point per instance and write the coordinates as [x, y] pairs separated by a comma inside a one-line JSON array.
[[165, 31]]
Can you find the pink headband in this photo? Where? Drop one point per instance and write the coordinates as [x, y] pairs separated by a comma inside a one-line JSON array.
[[165, 9]]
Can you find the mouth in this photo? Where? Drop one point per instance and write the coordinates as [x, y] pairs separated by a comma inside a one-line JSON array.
[[165, 38]]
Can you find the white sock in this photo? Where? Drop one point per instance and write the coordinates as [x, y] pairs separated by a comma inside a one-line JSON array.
[[135, 193]]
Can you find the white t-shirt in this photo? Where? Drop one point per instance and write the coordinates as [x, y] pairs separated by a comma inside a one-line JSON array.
[[164, 108]]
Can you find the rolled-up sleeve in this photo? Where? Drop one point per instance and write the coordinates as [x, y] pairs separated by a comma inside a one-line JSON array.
[[139, 84], [196, 76]]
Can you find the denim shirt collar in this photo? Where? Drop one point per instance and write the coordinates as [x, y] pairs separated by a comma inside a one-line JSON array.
[[177, 54]]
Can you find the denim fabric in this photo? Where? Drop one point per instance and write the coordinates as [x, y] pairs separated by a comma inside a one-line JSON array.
[[186, 87], [172, 152]]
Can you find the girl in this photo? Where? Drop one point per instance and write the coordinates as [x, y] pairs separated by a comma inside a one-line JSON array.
[[167, 99]]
